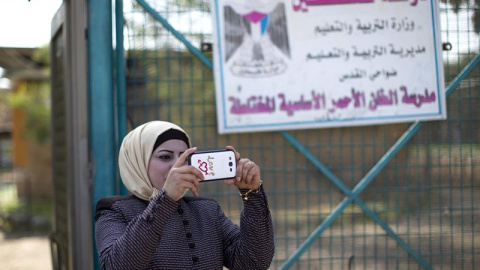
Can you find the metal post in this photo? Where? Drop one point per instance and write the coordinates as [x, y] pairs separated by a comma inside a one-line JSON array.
[[101, 100], [121, 83]]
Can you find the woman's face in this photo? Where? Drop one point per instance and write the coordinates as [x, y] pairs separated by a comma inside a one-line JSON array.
[[162, 160]]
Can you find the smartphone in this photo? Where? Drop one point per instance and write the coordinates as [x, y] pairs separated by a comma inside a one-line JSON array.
[[214, 164]]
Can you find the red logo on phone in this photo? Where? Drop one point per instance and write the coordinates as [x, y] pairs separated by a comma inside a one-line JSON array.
[[205, 166]]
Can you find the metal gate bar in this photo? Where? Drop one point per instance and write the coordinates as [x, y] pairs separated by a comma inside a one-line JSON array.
[[177, 34], [121, 89], [352, 195]]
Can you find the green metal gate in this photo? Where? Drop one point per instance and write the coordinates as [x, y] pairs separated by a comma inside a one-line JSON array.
[[398, 196]]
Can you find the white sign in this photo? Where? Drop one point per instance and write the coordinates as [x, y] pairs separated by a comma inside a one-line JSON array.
[[326, 63]]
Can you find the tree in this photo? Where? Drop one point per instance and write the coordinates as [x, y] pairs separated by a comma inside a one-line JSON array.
[[473, 5], [34, 100]]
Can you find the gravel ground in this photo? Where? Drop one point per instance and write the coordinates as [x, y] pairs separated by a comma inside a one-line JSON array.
[[18, 252]]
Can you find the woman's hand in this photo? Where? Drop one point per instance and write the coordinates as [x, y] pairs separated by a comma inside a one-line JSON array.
[[182, 177], [248, 173]]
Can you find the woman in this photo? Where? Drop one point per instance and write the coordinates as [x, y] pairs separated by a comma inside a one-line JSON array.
[[157, 228]]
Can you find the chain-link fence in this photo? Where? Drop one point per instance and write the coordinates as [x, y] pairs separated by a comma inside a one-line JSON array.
[[425, 195]]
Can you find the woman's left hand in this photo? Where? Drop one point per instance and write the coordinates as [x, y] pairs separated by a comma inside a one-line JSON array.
[[248, 173]]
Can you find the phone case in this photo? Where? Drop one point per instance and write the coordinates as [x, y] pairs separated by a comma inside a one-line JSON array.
[[215, 164]]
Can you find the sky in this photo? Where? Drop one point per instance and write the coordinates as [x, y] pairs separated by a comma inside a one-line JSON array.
[[26, 23]]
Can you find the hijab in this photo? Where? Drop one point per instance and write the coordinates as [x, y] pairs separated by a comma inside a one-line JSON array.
[[135, 153]]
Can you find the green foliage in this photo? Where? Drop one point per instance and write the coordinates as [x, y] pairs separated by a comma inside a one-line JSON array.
[[42, 56], [34, 100], [193, 4], [170, 85], [474, 5]]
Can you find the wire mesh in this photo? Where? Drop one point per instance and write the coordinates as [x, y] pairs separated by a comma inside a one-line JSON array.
[[426, 194]]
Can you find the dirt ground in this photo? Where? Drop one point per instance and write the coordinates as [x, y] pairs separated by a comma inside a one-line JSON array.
[[18, 252]]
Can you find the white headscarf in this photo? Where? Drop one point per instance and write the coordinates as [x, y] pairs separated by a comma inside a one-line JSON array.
[[134, 157]]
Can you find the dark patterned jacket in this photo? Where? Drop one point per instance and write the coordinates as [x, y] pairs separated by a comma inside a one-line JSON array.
[[192, 233]]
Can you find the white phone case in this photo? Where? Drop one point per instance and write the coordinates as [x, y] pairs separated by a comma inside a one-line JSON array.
[[214, 165]]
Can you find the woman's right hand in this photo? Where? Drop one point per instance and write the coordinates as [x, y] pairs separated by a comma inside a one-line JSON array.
[[183, 177]]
